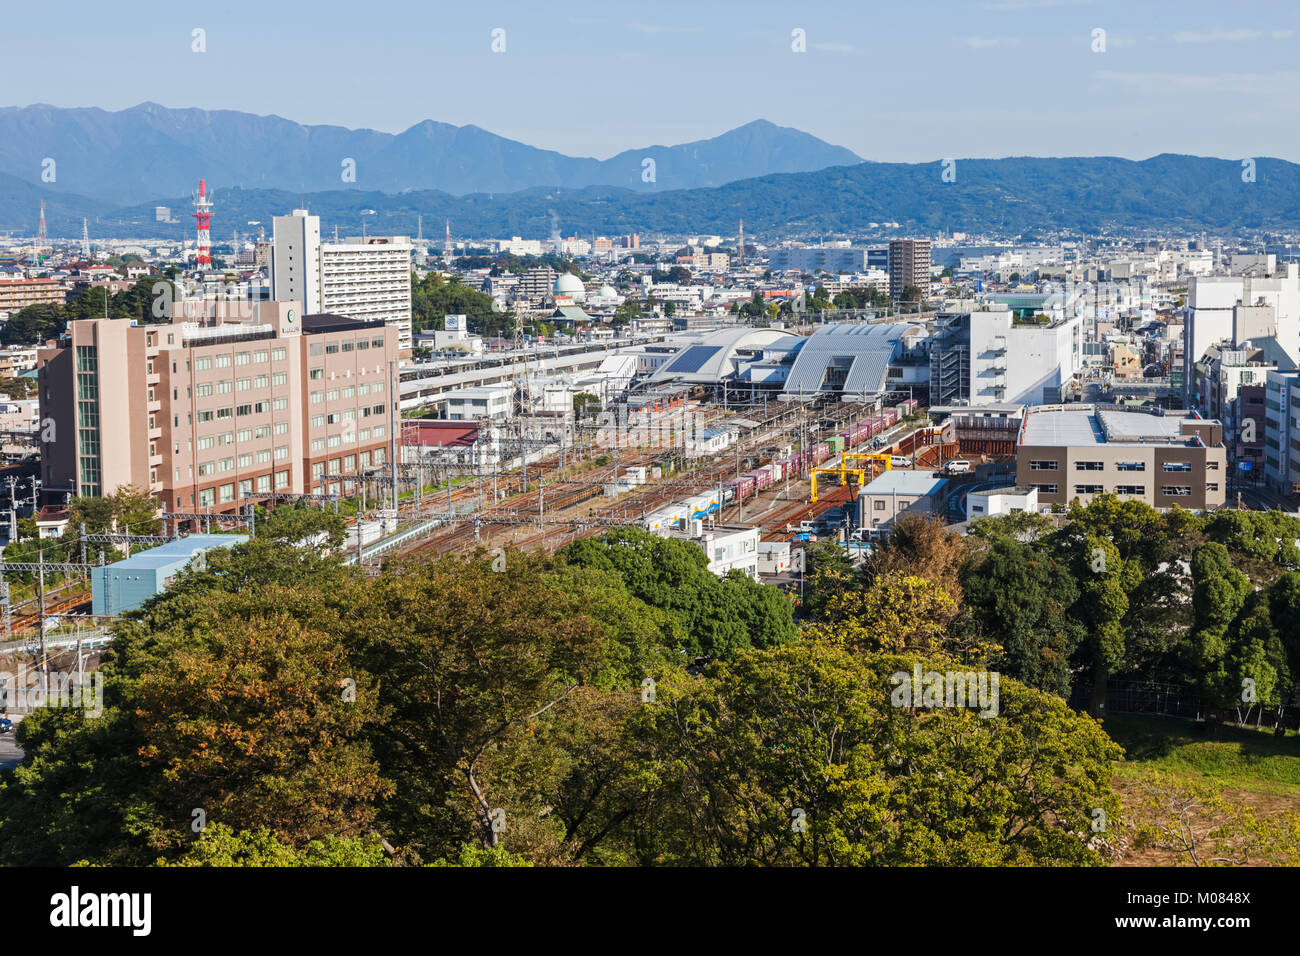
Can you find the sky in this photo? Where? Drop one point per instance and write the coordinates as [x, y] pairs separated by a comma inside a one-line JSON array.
[[898, 81]]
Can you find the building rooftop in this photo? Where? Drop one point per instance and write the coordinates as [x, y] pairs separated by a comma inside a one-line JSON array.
[[327, 322], [900, 481], [1093, 425], [180, 550]]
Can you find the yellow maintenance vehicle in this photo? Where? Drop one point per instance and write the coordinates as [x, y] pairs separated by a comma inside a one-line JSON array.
[[873, 463]]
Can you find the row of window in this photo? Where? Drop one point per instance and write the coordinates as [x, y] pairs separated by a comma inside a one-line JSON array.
[[333, 348], [1169, 491], [1174, 466], [208, 362]]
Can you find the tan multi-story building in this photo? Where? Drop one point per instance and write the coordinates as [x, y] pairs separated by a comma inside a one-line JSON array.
[[217, 408], [17, 294], [1163, 458], [909, 265]]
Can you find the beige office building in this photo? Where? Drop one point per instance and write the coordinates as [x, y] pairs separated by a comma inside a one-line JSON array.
[[1161, 457], [241, 402]]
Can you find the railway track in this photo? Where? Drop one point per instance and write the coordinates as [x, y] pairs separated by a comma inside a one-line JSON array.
[[560, 510]]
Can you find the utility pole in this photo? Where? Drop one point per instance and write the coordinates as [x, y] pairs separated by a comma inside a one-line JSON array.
[[40, 598]]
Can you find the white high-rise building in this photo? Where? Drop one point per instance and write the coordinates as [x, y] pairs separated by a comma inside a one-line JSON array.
[[365, 278]]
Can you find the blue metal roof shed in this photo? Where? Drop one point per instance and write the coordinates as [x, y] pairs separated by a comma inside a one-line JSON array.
[[125, 585]]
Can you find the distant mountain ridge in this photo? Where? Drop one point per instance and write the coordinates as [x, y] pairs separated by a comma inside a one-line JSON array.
[[1000, 196], [136, 154]]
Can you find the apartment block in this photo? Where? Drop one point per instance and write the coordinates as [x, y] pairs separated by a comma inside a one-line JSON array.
[[211, 413], [17, 294], [362, 277], [1163, 458], [909, 265]]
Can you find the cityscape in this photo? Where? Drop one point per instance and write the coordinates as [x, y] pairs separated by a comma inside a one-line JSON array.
[[387, 491]]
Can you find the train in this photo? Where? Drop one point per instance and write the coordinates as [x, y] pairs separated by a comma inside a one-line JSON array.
[[680, 514]]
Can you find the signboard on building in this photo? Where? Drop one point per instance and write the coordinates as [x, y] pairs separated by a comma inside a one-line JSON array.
[[456, 323]]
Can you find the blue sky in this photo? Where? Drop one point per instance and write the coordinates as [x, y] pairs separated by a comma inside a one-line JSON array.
[[906, 80]]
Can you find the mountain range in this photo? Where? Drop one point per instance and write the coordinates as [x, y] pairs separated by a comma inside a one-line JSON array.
[[138, 154], [113, 168]]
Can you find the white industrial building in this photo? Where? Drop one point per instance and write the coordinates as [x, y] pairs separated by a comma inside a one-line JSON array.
[[362, 277]]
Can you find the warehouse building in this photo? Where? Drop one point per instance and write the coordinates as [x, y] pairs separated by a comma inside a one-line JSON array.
[[126, 585]]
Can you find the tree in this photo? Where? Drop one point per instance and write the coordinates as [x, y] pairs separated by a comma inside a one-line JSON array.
[[715, 616], [1019, 596], [794, 755], [32, 325]]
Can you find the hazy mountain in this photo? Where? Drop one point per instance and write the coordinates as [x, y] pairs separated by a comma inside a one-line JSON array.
[[20, 209], [1009, 196], [149, 150]]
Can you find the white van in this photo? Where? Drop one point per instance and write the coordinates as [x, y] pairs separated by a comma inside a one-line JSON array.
[[958, 466], [900, 461]]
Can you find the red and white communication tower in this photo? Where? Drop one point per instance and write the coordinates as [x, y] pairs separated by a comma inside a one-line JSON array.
[[203, 218]]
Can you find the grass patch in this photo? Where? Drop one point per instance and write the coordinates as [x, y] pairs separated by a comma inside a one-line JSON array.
[[1237, 758]]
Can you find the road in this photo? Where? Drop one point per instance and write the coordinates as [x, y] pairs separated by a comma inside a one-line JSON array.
[[10, 752]]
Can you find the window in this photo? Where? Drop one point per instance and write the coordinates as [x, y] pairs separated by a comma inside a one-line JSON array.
[[1176, 491], [206, 497], [223, 361], [279, 355], [226, 464], [279, 378], [332, 349], [281, 479], [377, 343], [1211, 486], [332, 395], [1130, 489], [316, 374], [1212, 465], [318, 444], [363, 389], [224, 387], [349, 391], [334, 441], [1089, 466], [244, 434], [282, 428], [205, 417], [203, 364], [206, 469], [262, 381], [314, 349], [317, 397], [347, 346], [363, 344], [1042, 466], [246, 461], [281, 452], [244, 410], [878, 504], [1088, 489], [227, 493], [378, 432], [260, 356], [1046, 489], [317, 421], [242, 358], [1131, 466], [203, 391], [225, 438], [243, 384], [1178, 466], [224, 412], [205, 443], [279, 404]]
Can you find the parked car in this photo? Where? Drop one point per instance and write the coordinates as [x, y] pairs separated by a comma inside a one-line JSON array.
[[807, 526], [959, 466], [6, 725], [900, 461]]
